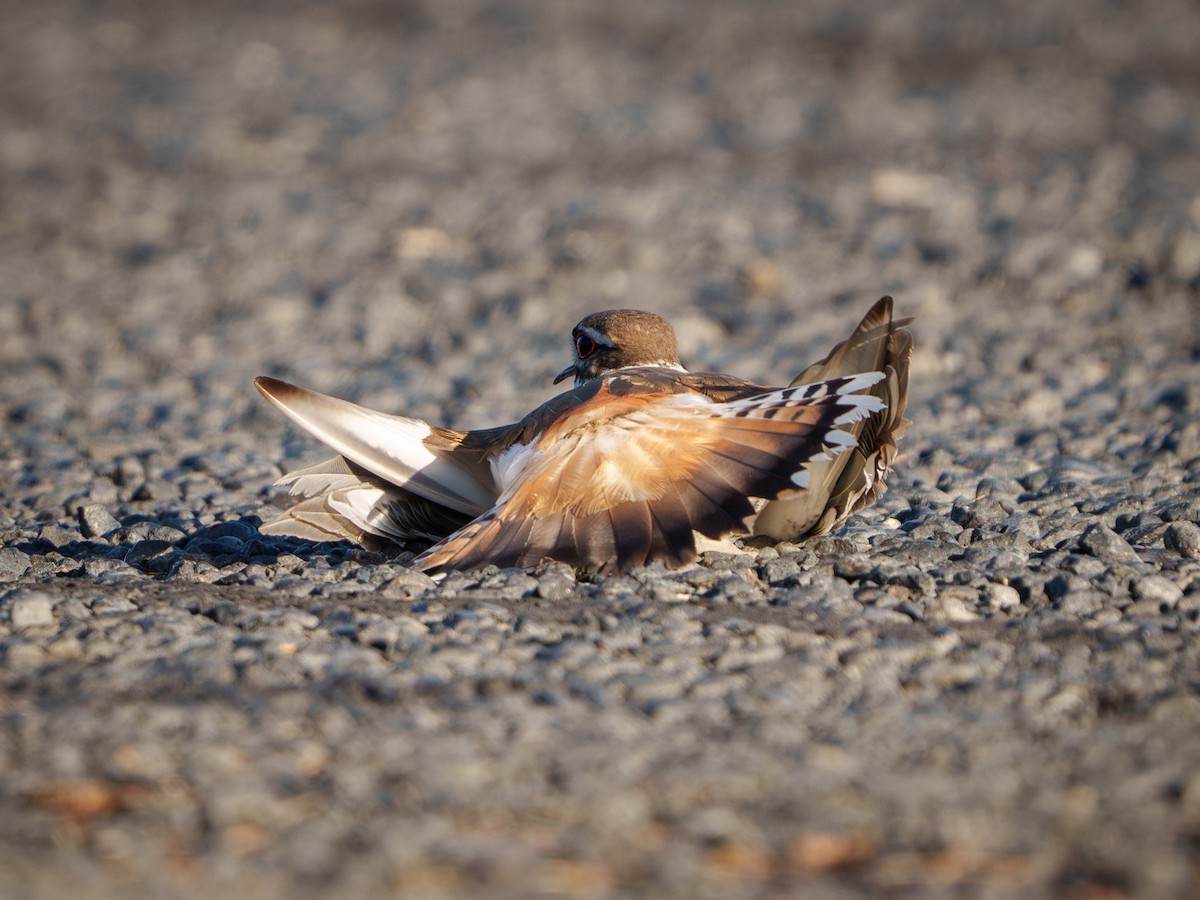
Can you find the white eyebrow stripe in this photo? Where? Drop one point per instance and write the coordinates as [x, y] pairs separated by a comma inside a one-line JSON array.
[[597, 336]]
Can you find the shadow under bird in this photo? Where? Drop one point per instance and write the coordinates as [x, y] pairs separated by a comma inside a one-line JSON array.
[[640, 461]]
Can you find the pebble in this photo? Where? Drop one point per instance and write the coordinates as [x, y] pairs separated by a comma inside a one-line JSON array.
[[13, 563], [57, 536], [151, 555], [555, 586], [1105, 544], [1157, 589], [1183, 538], [952, 605], [96, 521], [1001, 596], [29, 608]]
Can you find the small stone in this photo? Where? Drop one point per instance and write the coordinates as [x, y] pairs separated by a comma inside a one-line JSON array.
[[102, 492], [1030, 587], [145, 550], [98, 566], [96, 521], [735, 588], [1183, 538], [1185, 510], [950, 605], [1084, 262], [1001, 596], [119, 574], [852, 568], [1089, 568], [68, 647], [664, 592], [237, 529], [781, 572], [57, 535], [153, 556], [130, 471], [1156, 589], [165, 533], [155, 490], [1103, 543], [1062, 584], [409, 583], [71, 609], [555, 586], [13, 563], [510, 585], [23, 655], [27, 609], [1079, 603]]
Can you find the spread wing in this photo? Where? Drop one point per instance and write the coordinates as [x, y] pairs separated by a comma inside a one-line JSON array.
[[405, 453], [850, 481], [626, 477]]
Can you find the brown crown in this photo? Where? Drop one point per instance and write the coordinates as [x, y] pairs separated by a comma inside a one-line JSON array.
[[638, 337]]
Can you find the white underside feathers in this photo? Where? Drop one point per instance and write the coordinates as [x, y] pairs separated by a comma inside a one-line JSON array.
[[390, 447]]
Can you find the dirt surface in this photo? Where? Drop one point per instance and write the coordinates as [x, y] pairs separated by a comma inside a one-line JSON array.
[[986, 686]]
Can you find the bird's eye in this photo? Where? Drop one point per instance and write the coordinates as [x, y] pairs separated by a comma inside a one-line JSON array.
[[584, 346]]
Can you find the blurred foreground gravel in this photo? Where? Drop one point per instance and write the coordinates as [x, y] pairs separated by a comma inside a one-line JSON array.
[[986, 686]]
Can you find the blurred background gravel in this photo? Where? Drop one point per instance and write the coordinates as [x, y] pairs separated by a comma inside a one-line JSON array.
[[987, 686]]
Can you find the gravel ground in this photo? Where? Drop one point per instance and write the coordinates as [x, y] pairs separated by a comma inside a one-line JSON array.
[[986, 686]]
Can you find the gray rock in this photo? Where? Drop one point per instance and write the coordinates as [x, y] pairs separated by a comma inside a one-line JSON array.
[[953, 605], [1105, 544], [1183, 538], [96, 521], [145, 553], [29, 608], [57, 536], [510, 586], [99, 565], [1001, 596], [130, 471], [1062, 584], [1185, 510], [156, 489], [1156, 589], [13, 563], [555, 585], [165, 533]]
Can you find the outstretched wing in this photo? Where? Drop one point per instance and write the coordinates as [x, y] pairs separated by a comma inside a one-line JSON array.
[[405, 453], [626, 477]]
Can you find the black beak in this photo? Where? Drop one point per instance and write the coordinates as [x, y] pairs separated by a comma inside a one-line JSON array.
[[565, 373]]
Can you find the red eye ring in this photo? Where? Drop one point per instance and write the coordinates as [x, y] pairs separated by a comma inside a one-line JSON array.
[[584, 346]]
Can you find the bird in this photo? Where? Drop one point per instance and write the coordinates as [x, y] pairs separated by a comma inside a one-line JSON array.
[[641, 460]]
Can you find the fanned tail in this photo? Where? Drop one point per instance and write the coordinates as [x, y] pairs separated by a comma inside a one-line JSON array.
[[845, 484]]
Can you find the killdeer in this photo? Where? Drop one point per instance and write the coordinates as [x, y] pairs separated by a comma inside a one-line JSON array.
[[635, 463]]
